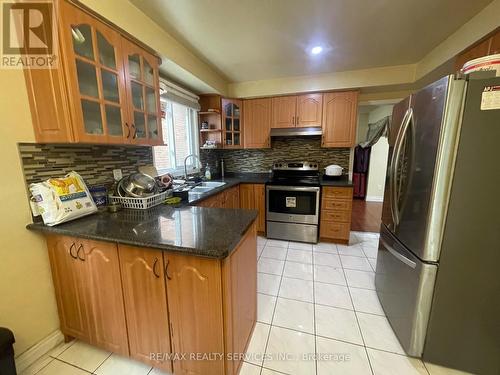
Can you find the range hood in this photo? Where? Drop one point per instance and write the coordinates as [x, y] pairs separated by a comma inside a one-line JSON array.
[[296, 132]]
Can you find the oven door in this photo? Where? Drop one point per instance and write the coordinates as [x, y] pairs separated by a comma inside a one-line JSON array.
[[293, 204]]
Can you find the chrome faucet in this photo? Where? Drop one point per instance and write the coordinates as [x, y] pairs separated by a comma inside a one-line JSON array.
[[185, 165]]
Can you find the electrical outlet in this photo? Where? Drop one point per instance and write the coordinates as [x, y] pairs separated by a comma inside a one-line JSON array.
[[117, 174]]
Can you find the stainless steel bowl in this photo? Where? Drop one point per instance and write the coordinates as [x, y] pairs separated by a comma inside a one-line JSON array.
[[139, 185]]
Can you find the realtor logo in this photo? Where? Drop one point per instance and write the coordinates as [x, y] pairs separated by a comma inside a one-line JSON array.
[[29, 34]]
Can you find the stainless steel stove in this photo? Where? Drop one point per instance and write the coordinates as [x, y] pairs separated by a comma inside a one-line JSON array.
[[292, 200]]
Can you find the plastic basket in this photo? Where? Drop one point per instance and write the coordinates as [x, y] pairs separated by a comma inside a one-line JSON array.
[[141, 203]]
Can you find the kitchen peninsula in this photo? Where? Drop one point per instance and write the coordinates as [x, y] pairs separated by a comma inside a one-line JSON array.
[[159, 285]]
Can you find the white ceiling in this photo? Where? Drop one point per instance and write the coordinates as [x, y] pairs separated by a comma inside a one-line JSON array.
[[249, 40]]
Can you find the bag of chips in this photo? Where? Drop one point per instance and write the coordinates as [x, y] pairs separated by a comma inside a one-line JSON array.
[[62, 199]]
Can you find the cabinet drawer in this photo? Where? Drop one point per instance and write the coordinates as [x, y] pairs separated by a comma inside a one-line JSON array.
[[337, 193], [337, 216], [333, 204], [333, 230]]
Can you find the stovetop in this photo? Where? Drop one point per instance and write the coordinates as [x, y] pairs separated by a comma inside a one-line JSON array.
[[293, 173]]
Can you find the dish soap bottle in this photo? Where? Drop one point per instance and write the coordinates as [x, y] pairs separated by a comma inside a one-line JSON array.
[[208, 174]]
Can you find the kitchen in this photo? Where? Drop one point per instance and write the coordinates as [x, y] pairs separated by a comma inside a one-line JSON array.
[[142, 96]]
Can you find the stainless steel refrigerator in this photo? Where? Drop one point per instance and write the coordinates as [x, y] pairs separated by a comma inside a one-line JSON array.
[[438, 265]]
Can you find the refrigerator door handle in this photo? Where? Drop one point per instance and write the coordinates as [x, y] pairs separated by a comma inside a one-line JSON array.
[[394, 169], [397, 255]]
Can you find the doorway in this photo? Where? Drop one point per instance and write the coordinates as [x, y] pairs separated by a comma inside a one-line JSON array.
[[370, 181]]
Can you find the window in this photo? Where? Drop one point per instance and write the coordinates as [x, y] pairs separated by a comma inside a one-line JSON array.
[[180, 136]]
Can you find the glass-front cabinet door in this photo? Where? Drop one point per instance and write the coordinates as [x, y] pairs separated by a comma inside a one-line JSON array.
[[96, 80], [143, 92], [231, 123]]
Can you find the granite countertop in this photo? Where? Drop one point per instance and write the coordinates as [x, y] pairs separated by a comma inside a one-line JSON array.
[[343, 181], [187, 230]]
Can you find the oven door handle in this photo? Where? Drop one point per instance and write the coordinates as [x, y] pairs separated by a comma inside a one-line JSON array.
[[313, 189]]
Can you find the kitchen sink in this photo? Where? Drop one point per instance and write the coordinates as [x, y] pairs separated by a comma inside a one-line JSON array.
[[205, 187]]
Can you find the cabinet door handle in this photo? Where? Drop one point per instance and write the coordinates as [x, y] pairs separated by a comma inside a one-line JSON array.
[[166, 270], [155, 272], [135, 131], [128, 130], [78, 253], [71, 248]]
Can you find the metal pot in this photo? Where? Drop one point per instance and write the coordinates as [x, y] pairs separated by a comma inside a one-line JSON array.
[[139, 185], [333, 170]]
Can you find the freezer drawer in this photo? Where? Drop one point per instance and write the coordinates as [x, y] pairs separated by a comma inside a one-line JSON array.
[[404, 286]]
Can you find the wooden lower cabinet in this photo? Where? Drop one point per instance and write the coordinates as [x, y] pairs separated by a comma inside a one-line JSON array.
[[148, 304], [145, 297], [89, 296], [229, 198], [336, 210], [253, 197]]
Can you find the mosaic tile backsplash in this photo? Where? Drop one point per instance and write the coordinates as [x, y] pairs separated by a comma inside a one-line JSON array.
[[285, 148], [94, 163]]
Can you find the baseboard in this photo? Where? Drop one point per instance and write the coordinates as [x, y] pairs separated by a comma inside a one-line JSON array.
[[30, 356], [374, 198]]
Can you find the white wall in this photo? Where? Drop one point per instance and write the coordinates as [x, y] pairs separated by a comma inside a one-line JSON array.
[[378, 158]]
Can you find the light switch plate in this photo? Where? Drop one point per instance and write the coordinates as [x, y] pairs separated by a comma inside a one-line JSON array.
[[117, 174]]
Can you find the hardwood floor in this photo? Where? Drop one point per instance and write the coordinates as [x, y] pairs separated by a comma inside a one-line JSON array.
[[366, 216]]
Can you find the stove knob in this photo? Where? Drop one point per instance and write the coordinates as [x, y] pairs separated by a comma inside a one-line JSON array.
[[310, 165]]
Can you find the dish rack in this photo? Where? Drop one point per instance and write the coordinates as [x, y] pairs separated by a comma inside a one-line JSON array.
[[141, 203]]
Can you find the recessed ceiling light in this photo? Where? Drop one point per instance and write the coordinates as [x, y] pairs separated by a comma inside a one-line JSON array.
[[316, 50]]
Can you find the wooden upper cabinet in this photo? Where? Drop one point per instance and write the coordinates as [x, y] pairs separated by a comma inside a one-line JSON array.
[[231, 123], [143, 93], [145, 299], [96, 84], [339, 119], [105, 299], [490, 45], [194, 289], [284, 111], [495, 44], [85, 98], [257, 120], [309, 110], [69, 284]]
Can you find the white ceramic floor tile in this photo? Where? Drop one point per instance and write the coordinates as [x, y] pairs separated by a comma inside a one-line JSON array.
[[293, 344], [265, 308], [261, 240], [366, 300], [294, 315], [337, 324], [257, 345], [298, 270], [353, 250], [268, 284], [332, 295], [300, 246], [60, 368], [325, 259], [116, 365], [384, 363], [301, 290], [378, 333], [440, 370], [60, 348], [360, 279], [373, 263], [274, 252], [266, 371], [355, 263], [38, 365], [341, 358], [353, 239], [259, 251], [272, 266], [156, 371], [277, 243], [330, 275], [325, 247], [300, 256], [84, 356], [370, 252], [249, 369]]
